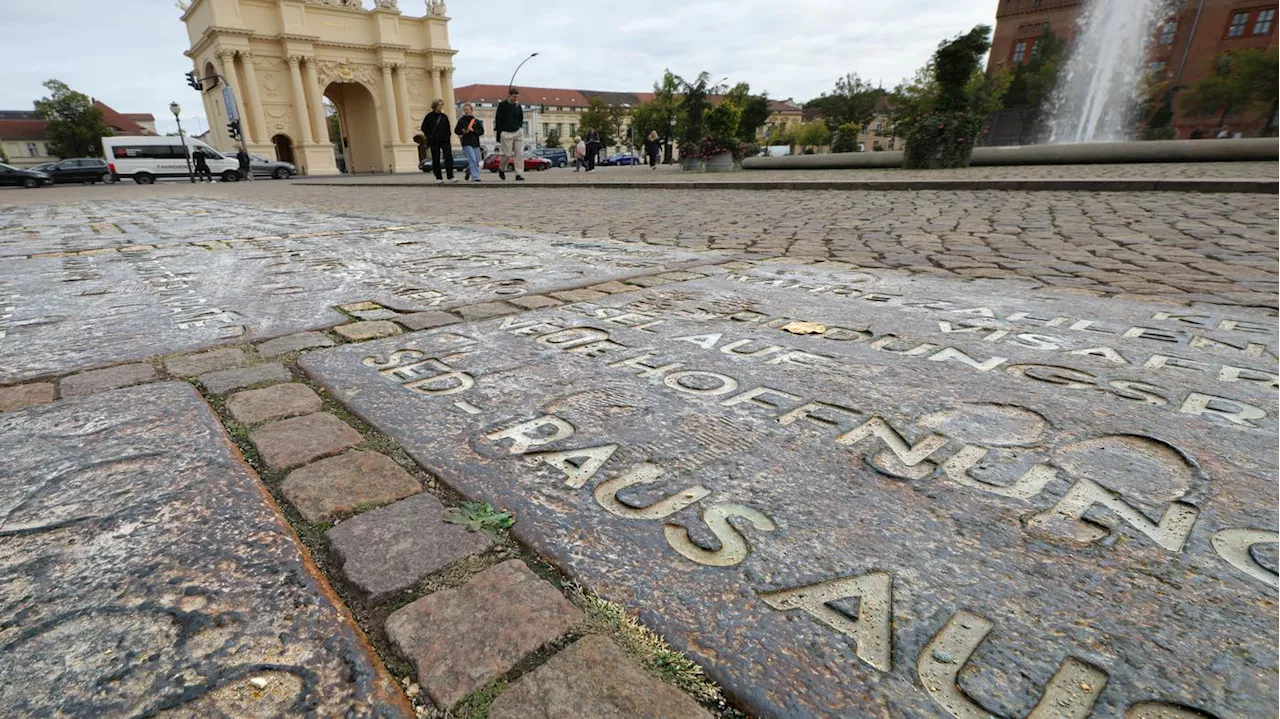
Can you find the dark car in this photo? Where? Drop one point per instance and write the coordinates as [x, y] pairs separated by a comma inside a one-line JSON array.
[[530, 163], [266, 167], [81, 169], [10, 175], [558, 156], [621, 158], [459, 162]]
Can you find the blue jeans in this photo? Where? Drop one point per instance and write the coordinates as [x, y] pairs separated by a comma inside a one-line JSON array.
[[473, 161]]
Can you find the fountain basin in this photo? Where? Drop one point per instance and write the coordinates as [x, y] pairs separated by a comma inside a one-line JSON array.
[[1084, 153]]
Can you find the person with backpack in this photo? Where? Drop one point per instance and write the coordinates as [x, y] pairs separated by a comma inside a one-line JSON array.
[[470, 129], [435, 128], [508, 123]]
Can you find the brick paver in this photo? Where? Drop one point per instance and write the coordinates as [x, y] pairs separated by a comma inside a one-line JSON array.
[[197, 364], [25, 395], [292, 442], [293, 343], [228, 380], [274, 402], [391, 549], [460, 639], [329, 487], [100, 380], [368, 330]]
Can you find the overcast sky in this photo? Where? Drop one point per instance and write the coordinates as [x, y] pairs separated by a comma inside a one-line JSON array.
[[128, 53]]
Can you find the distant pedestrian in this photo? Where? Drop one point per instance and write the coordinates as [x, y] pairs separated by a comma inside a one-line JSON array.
[[470, 129], [653, 148], [1197, 134], [593, 148], [1223, 133], [508, 123], [580, 155], [201, 159], [435, 127], [242, 157]]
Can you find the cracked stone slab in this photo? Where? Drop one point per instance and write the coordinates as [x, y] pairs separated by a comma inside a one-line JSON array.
[[849, 493], [145, 571], [100, 380], [205, 285]]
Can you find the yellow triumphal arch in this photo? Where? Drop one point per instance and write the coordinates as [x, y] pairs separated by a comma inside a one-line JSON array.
[[378, 68]]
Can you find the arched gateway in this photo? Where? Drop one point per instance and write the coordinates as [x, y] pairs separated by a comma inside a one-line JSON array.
[[379, 68]]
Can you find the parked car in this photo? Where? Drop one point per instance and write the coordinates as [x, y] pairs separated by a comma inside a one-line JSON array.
[[81, 169], [558, 156], [459, 162], [43, 167], [10, 175], [263, 167], [536, 164], [148, 158], [622, 158]]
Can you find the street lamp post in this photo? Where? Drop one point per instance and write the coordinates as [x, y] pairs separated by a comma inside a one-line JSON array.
[[176, 109], [522, 62]]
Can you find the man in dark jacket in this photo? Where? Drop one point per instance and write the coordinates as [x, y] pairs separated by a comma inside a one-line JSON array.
[[593, 148], [435, 127], [245, 167], [508, 123], [202, 165]]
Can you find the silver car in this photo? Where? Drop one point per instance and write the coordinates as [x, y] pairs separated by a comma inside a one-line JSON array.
[[262, 167]]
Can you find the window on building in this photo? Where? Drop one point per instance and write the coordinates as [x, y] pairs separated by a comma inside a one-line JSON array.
[[560, 129], [1266, 18], [1168, 32], [32, 150], [879, 128], [1238, 23], [546, 129], [573, 130], [526, 127], [1020, 51]]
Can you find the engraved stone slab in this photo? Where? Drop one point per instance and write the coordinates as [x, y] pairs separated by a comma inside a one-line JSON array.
[[61, 312], [143, 569], [850, 494]]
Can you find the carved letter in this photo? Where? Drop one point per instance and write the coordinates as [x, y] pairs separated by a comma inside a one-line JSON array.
[[1197, 403], [606, 495], [733, 546], [910, 455], [590, 460], [1160, 710], [525, 435], [1171, 533], [870, 631], [1233, 545], [1031, 483]]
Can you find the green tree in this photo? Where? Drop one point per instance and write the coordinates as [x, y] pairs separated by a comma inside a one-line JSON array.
[[813, 134], [75, 126], [852, 100], [3, 157], [691, 124], [846, 138], [1032, 82], [603, 118], [949, 101], [553, 139], [1240, 80]]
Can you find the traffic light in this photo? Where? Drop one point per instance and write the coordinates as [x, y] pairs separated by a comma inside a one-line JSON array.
[[193, 82], [233, 127]]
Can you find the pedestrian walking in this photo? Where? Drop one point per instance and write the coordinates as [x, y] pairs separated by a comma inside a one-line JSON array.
[[435, 127], [243, 158], [580, 155], [593, 148], [201, 159], [470, 129], [508, 123], [653, 148]]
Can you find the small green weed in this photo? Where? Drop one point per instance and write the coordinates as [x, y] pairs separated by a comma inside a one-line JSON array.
[[480, 517]]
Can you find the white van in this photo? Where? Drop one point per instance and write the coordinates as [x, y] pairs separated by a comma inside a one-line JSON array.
[[147, 158]]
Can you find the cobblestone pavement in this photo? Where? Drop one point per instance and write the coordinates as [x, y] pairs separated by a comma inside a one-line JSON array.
[[1174, 246]]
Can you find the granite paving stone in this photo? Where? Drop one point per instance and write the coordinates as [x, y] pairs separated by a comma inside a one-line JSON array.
[[336, 485], [99, 380], [275, 402], [290, 442], [427, 320], [388, 550], [612, 287], [534, 302], [145, 572], [293, 343], [198, 364], [460, 639], [229, 380], [486, 310], [578, 295], [25, 395], [368, 330], [593, 678]]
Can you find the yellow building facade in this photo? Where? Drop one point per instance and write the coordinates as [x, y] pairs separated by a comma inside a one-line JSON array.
[[380, 69]]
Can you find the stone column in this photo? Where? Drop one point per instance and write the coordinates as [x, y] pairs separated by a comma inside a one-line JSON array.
[[449, 102], [436, 94], [299, 100], [389, 104], [253, 104], [402, 100], [316, 90], [227, 59]]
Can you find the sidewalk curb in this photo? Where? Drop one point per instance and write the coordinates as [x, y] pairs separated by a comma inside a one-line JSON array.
[[1263, 187]]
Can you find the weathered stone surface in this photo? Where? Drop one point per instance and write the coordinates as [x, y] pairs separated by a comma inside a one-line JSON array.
[[228, 380], [291, 442], [378, 314], [274, 402], [942, 457], [293, 343], [100, 380], [391, 549], [427, 320], [192, 365], [681, 276], [25, 395], [486, 310], [357, 331], [460, 639], [339, 484], [578, 295], [158, 278], [612, 287], [649, 281], [535, 302], [593, 678], [144, 571]]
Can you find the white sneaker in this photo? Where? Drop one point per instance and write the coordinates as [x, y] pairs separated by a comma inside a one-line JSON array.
[[439, 182]]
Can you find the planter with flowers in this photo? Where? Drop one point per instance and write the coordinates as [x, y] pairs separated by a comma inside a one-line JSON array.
[[944, 137], [722, 154]]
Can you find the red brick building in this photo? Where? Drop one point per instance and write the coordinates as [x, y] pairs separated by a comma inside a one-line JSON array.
[[1183, 47]]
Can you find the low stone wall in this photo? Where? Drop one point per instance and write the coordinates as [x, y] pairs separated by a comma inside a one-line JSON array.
[[1262, 148]]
